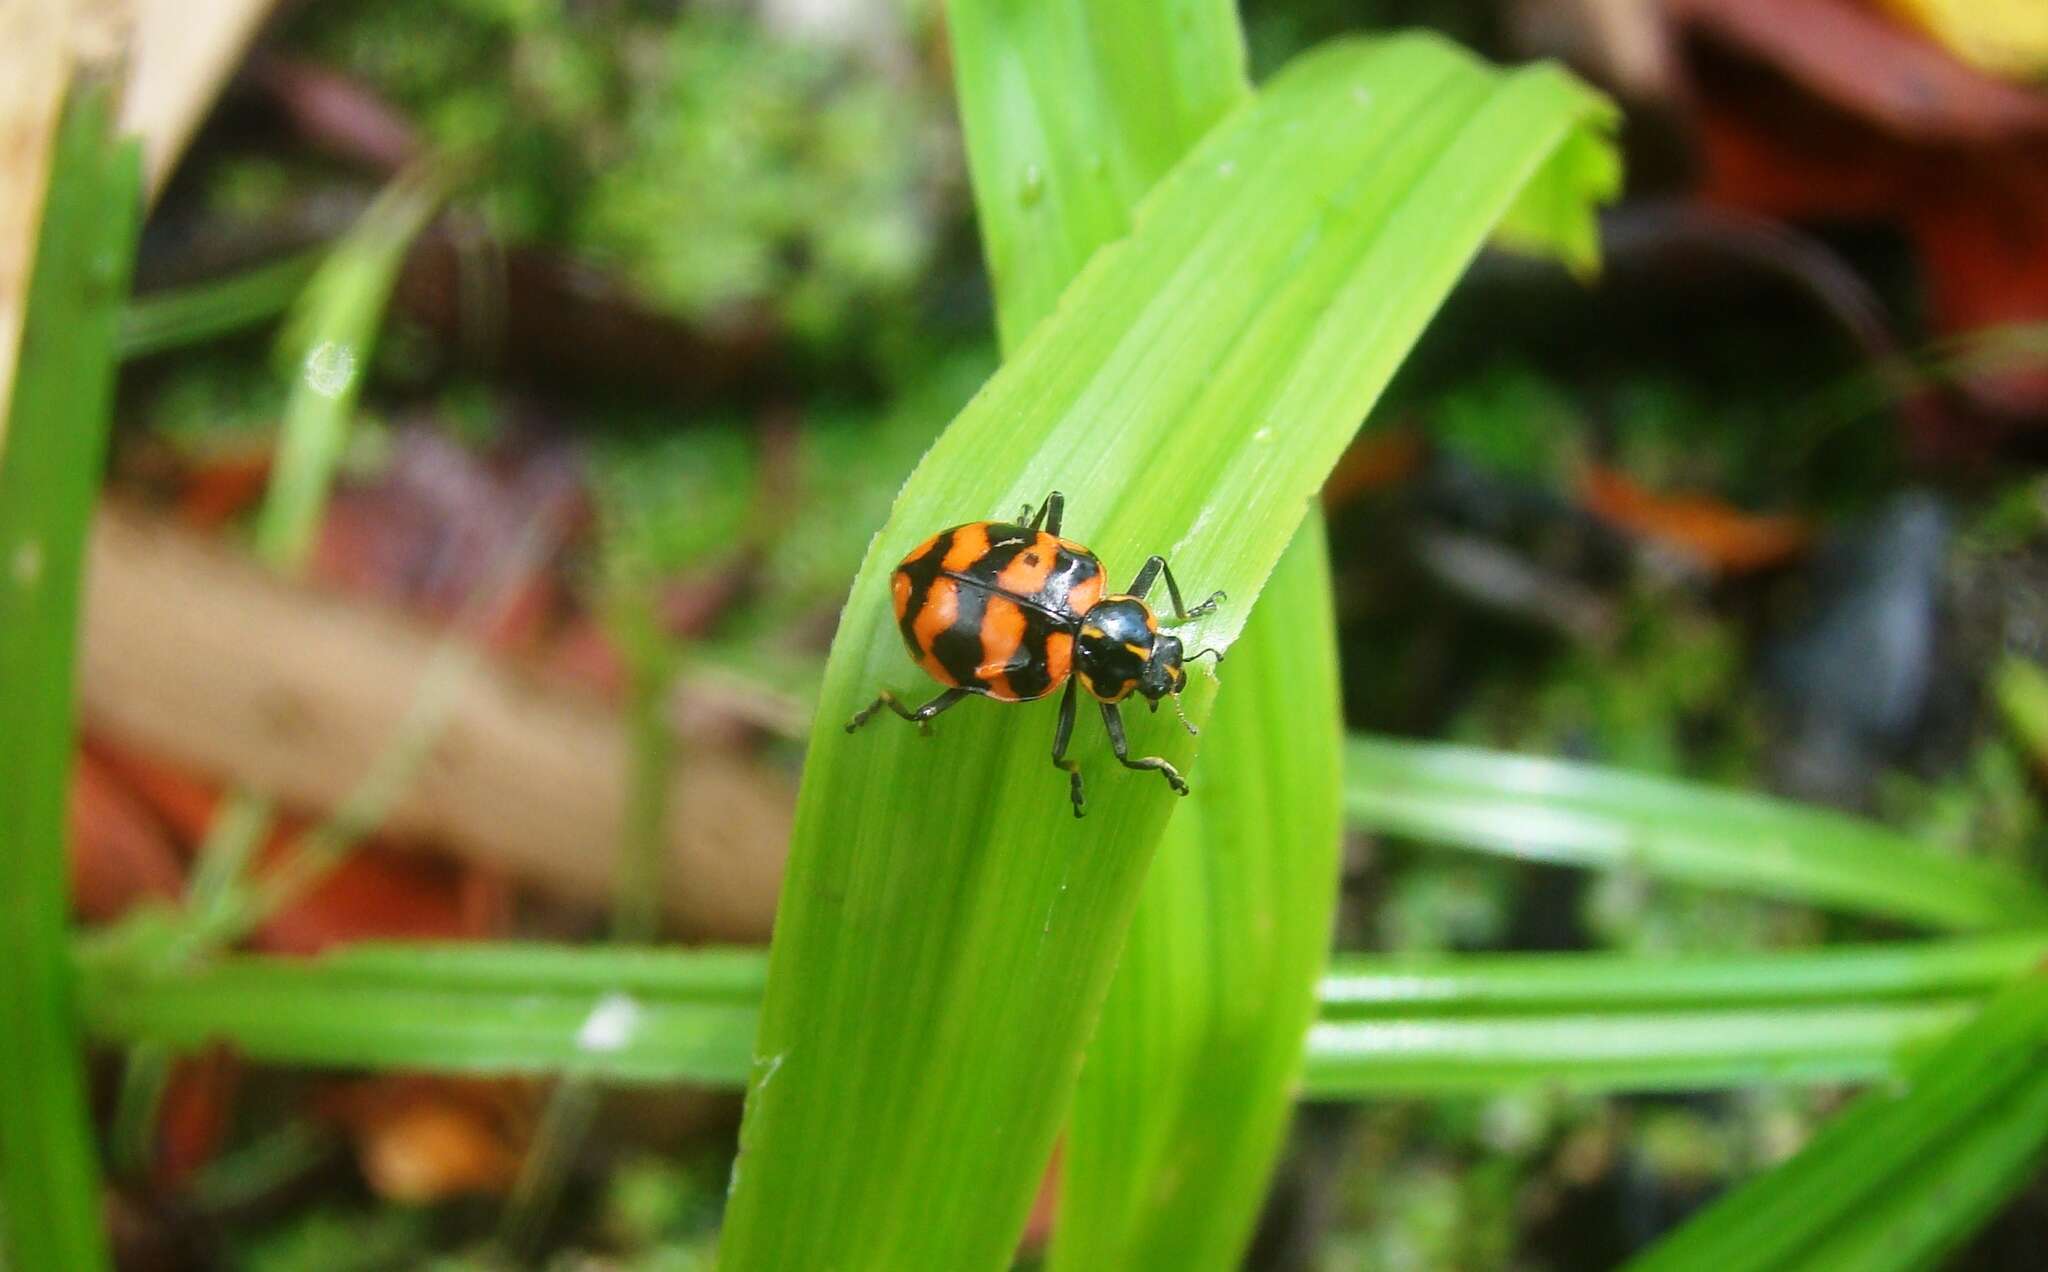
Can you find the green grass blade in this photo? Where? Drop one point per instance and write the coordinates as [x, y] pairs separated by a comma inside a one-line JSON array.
[[1377, 987], [1936, 1204], [946, 933], [1630, 1051], [1072, 111], [1554, 810], [1611, 1022], [1866, 1176], [1387, 1026], [54, 445], [328, 342], [627, 1015], [191, 315], [2021, 689]]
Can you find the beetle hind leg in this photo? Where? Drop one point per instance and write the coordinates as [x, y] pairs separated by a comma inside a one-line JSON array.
[[921, 717], [1047, 518]]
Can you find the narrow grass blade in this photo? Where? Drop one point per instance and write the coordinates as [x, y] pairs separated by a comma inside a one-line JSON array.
[[1871, 1176], [1940, 1201], [327, 344], [946, 933], [621, 1014], [1072, 111], [1362, 987], [1629, 1051], [1553, 810], [49, 473], [1610, 1022], [2021, 689], [192, 315], [1386, 1026]]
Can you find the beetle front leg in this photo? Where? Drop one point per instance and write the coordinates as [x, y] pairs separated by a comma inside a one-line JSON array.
[[1154, 568], [1113, 721]]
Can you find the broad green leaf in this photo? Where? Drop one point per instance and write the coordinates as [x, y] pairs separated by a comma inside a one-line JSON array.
[[1190, 1077], [1554, 810], [1906, 1171], [1386, 1026], [946, 933], [1192, 1070], [55, 435]]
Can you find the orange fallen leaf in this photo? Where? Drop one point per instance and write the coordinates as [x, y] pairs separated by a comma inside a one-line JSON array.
[[197, 1108], [421, 1139], [1376, 460], [120, 854], [376, 893], [1703, 528]]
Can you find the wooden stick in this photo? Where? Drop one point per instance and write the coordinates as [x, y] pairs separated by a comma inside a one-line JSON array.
[[197, 655]]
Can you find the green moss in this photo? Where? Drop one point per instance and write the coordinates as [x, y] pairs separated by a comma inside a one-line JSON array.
[[714, 166]]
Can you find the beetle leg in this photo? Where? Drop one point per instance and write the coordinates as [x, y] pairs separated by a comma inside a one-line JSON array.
[[1063, 733], [1114, 722], [920, 717], [1048, 515], [1156, 566]]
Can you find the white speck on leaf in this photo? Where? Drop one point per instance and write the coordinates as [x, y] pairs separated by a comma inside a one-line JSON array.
[[28, 563], [610, 1025], [330, 368]]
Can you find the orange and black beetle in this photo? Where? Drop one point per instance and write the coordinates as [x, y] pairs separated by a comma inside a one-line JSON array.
[[1012, 611]]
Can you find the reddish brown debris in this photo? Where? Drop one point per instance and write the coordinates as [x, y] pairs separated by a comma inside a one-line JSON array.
[[1703, 528]]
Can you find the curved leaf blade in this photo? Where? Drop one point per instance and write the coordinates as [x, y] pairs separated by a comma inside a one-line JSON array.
[[1385, 1025], [1192, 1071], [53, 437], [1184, 1099], [1579, 814], [946, 936], [1071, 113], [1864, 1180]]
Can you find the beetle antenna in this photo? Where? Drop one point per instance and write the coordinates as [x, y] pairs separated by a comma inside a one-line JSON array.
[[1216, 653], [1185, 722]]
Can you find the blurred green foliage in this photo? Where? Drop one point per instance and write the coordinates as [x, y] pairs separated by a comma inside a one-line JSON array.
[[715, 170], [722, 172]]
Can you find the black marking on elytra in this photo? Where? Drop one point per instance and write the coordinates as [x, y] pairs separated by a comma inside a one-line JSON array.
[[921, 573], [958, 648], [1070, 571], [1030, 605], [1028, 674]]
